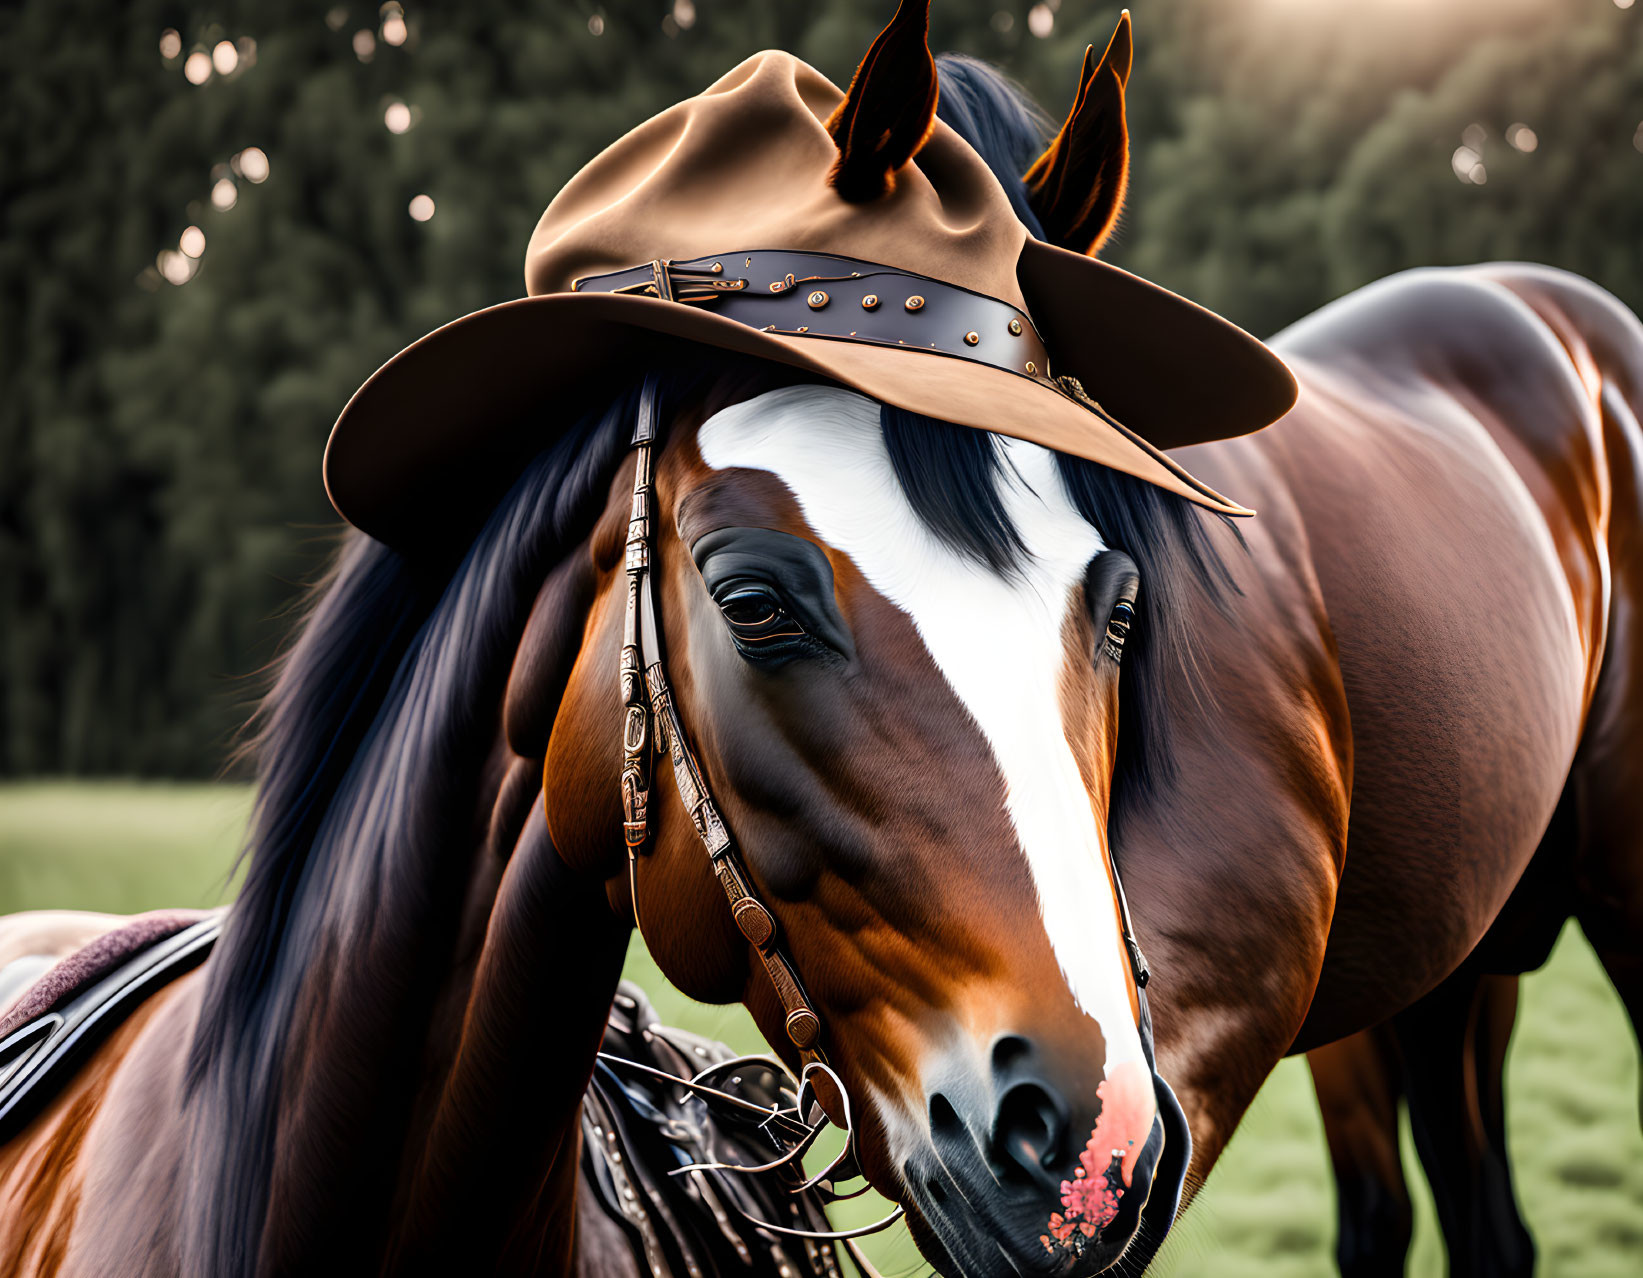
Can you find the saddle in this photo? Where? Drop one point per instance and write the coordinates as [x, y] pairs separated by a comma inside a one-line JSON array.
[[642, 1127], [642, 1117]]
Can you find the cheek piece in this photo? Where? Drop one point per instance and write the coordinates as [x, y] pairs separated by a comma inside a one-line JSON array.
[[651, 721]]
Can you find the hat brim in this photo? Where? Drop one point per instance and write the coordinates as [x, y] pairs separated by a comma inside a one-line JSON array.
[[431, 440], [1174, 373]]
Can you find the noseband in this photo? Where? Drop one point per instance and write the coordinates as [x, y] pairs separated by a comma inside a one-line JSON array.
[[652, 722]]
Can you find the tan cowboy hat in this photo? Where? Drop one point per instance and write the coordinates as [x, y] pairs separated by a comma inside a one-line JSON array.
[[855, 238]]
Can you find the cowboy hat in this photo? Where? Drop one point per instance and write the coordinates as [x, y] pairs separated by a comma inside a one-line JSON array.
[[850, 236]]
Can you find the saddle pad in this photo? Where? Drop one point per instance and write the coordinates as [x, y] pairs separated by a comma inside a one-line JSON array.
[[91, 962], [76, 1005]]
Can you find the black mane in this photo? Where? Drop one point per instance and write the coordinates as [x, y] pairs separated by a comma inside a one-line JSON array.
[[369, 749]]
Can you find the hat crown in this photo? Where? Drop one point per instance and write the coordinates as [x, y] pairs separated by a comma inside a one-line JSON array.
[[745, 165]]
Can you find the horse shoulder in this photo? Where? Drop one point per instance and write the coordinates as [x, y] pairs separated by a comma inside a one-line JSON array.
[[93, 1184]]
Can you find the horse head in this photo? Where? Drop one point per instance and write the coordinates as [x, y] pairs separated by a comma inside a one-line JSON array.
[[895, 647]]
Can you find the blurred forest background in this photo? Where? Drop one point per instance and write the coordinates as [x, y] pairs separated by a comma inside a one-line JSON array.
[[217, 219]]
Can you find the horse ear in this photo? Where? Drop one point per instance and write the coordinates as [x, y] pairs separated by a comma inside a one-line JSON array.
[[890, 109], [1077, 186]]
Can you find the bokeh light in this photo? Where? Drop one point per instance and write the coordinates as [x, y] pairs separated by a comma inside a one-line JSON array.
[[365, 44], [171, 45], [224, 194], [192, 242], [1041, 20], [176, 267], [596, 24], [1522, 138], [397, 117], [684, 13], [336, 18], [422, 208], [225, 57], [393, 24], [252, 164], [197, 70]]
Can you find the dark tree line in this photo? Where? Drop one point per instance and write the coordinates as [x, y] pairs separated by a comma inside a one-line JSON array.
[[160, 501]]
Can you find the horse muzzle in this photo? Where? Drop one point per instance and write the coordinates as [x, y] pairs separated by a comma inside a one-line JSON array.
[[1039, 1187]]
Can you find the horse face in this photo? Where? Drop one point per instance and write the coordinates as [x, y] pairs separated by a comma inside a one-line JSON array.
[[914, 754]]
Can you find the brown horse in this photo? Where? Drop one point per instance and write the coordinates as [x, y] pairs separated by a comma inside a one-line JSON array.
[[1334, 745]]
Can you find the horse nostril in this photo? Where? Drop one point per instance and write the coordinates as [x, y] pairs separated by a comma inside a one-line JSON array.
[[1030, 1132], [944, 1119], [1007, 1050]]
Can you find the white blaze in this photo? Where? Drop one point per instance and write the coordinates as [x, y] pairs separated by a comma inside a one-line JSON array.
[[997, 640]]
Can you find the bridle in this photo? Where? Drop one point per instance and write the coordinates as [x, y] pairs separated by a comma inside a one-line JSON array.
[[652, 713], [651, 721]]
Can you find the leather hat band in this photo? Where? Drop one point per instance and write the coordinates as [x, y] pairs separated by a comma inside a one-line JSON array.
[[843, 299]]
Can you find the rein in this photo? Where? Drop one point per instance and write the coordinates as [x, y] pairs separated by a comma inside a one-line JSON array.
[[651, 721]]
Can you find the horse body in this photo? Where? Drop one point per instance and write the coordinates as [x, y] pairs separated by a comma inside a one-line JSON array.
[[1449, 512], [1389, 709], [1429, 647]]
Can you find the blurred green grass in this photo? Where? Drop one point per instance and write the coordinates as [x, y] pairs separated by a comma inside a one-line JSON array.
[[1268, 1208]]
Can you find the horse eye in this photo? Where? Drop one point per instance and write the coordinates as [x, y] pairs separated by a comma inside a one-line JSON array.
[[1118, 628], [756, 616]]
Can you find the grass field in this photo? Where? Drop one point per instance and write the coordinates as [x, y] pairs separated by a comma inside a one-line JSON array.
[[1268, 1209]]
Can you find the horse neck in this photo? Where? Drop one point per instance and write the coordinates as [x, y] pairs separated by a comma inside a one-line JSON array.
[[492, 1184], [432, 1115]]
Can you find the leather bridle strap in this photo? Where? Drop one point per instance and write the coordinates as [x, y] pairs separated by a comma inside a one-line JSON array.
[[651, 716]]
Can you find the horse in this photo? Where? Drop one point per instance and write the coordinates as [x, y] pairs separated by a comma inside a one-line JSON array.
[[943, 684]]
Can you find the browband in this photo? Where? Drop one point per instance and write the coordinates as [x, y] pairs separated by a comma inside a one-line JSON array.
[[843, 299]]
